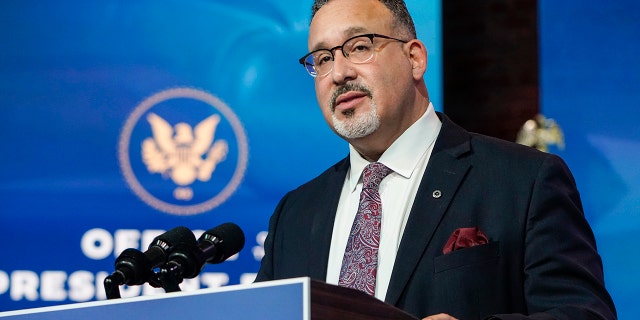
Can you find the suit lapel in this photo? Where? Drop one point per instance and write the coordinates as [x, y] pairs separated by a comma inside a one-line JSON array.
[[323, 214], [442, 178]]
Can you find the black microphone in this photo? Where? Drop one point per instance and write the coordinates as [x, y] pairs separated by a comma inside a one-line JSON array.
[[221, 242], [135, 268], [216, 245]]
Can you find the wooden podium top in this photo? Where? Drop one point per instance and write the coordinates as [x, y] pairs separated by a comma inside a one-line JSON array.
[[333, 302]]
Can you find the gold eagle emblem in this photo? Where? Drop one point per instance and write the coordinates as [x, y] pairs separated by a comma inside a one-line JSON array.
[[182, 153], [540, 133]]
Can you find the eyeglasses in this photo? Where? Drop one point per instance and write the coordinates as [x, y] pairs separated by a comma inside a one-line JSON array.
[[358, 50]]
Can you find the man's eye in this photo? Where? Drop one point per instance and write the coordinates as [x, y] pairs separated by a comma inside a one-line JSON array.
[[322, 59], [361, 48]]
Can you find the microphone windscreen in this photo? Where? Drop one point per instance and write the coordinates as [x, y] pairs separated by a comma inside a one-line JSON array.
[[231, 238], [174, 236]]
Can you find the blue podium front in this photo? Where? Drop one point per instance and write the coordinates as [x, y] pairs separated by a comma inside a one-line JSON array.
[[281, 299]]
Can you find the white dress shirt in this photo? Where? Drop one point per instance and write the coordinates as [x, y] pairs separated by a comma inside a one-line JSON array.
[[407, 157]]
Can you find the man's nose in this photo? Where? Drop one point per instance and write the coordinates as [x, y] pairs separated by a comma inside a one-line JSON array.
[[343, 70]]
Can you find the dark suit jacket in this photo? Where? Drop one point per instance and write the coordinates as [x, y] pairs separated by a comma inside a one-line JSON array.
[[541, 259]]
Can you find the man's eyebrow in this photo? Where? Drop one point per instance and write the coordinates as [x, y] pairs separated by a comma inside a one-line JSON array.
[[352, 31], [348, 33]]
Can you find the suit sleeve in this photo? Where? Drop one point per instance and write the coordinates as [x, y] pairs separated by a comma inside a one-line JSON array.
[[266, 271], [563, 271]]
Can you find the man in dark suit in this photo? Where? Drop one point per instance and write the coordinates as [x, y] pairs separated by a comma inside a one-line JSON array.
[[456, 225]]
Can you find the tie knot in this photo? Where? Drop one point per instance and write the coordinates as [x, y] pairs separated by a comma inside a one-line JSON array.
[[373, 174]]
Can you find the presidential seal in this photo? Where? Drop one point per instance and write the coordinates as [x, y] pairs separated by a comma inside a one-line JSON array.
[[183, 151]]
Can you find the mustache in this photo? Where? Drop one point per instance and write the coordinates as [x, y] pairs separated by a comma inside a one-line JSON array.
[[347, 87]]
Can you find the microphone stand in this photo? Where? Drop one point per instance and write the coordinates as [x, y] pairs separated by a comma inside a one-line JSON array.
[[170, 276], [182, 263], [112, 285]]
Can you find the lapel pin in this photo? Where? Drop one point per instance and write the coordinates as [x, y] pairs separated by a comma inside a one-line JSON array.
[[437, 194]]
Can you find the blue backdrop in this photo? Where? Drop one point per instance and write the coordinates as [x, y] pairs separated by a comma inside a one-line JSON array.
[[79, 82], [590, 76]]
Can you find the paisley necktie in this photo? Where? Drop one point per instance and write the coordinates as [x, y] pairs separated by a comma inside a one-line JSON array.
[[360, 262]]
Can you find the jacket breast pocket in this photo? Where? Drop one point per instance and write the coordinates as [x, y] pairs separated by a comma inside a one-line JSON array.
[[484, 253]]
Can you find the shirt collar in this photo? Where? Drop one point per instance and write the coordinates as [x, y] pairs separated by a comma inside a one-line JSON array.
[[404, 154]]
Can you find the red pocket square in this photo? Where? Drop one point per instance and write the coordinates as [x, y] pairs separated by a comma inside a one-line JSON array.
[[464, 238]]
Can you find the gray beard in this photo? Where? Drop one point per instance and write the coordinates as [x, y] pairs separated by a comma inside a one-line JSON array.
[[357, 126]]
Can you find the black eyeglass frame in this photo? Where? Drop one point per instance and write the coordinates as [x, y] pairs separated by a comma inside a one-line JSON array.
[[311, 67]]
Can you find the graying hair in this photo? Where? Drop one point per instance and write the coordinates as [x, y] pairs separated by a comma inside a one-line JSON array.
[[402, 18]]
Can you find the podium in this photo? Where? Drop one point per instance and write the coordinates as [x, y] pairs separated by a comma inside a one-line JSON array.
[[290, 299]]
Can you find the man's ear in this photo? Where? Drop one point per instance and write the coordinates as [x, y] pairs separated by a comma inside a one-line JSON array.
[[418, 58]]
